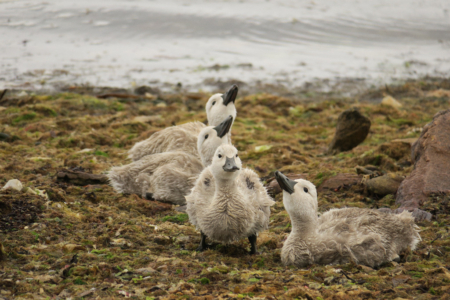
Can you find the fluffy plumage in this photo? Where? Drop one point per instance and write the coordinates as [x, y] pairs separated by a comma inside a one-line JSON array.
[[365, 236], [184, 137], [228, 206], [168, 176]]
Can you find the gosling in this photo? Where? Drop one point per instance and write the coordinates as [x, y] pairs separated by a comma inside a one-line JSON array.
[[184, 137], [228, 203], [169, 176], [364, 236]]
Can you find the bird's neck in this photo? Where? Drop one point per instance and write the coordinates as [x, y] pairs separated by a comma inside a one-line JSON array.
[[304, 227]]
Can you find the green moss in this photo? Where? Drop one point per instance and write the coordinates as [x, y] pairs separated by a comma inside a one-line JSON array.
[[179, 218], [24, 117], [204, 280], [101, 153], [78, 281]]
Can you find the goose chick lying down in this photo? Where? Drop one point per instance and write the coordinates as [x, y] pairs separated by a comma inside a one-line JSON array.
[[364, 236], [228, 203], [184, 137], [169, 176]]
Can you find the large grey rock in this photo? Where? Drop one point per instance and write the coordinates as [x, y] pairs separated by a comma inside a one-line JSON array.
[[431, 157], [351, 130]]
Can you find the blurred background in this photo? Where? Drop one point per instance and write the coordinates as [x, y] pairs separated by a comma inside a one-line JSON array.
[[343, 45]]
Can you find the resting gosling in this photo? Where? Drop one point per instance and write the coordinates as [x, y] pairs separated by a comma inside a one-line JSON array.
[[227, 203], [365, 236], [184, 137], [169, 176]]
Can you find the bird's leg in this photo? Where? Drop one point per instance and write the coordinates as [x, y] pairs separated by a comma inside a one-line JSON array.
[[203, 246], [252, 240]]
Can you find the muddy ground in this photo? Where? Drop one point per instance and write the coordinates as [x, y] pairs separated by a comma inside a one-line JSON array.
[[88, 242]]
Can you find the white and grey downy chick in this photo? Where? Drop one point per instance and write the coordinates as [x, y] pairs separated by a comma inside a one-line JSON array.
[[228, 203], [169, 176], [364, 236], [184, 137]]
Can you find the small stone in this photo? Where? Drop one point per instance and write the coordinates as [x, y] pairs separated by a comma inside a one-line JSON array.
[[384, 185], [72, 248], [145, 271], [162, 240], [14, 184], [4, 136], [391, 101]]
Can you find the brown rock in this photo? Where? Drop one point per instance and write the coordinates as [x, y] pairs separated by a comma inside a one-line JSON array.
[[340, 180], [273, 188], [431, 157], [351, 130], [384, 185]]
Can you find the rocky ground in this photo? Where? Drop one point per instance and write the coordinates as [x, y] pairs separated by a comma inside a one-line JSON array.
[[66, 237]]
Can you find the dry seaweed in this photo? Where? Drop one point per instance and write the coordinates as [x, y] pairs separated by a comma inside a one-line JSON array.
[[87, 242]]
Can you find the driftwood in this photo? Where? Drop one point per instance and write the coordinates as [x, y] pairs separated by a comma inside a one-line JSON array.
[[80, 178], [118, 95]]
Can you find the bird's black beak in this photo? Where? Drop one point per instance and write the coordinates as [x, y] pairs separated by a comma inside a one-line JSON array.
[[230, 165], [223, 128], [285, 183], [230, 95]]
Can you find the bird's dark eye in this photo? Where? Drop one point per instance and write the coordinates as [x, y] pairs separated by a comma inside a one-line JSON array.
[[206, 136], [305, 189], [214, 102], [237, 155], [220, 155]]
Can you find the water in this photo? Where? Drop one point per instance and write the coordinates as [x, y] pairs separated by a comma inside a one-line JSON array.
[[52, 43]]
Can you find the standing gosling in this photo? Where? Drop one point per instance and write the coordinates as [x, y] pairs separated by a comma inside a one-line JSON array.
[[169, 176], [184, 137], [227, 203], [365, 236]]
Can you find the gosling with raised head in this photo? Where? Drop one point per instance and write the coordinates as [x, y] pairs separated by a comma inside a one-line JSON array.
[[227, 203], [365, 236], [169, 176], [184, 137]]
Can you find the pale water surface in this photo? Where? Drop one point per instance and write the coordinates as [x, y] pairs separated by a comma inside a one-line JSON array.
[[47, 44]]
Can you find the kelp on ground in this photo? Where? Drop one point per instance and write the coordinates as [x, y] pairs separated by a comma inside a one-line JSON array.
[[88, 242]]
